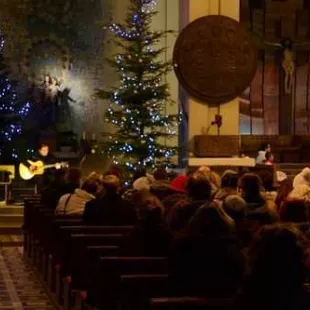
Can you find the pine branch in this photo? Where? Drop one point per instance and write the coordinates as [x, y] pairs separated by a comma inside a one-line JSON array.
[[137, 106]]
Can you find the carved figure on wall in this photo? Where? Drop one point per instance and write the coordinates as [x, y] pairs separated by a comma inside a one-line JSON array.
[[288, 49], [50, 88], [288, 62]]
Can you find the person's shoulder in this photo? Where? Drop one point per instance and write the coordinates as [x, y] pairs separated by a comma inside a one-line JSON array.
[[64, 197], [93, 202]]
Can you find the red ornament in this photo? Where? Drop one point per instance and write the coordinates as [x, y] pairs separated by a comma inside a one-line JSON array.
[[217, 120]]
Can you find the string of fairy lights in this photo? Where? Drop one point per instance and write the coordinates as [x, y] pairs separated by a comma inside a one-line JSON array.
[[137, 107], [10, 107]]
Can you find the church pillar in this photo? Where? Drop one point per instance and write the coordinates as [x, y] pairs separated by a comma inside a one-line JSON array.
[[201, 115]]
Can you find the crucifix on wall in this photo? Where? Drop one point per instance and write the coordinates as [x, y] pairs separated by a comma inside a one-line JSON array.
[[288, 49]]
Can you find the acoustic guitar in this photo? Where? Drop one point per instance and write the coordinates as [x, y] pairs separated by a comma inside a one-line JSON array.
[[27, 174]]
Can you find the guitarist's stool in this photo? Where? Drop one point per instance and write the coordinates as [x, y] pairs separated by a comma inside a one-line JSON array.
[[7, 174]]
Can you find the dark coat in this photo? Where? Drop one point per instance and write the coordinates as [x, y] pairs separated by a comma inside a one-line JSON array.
[[203, 266], [111, 209]]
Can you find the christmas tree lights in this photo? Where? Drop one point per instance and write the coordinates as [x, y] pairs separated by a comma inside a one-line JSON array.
[[137, 107], [12, 109]]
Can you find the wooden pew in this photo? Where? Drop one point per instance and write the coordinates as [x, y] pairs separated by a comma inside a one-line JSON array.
[[137, 289], [70, 245], [190, 303], [72, 250], [105, 291], [77, 284]]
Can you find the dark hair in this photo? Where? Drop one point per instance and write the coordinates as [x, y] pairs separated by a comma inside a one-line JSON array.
[[276, 263], [287, 43], [180, 214], [264, 147], [116, 170], [251, 186], [266, 177], [41, 145], [90, 185], [139, 173], [198, 187], [160, 174], [148, 206], [211, 220], [110, 183], [229, 179]]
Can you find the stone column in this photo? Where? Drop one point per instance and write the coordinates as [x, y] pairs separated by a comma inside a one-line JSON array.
[[201, 115]]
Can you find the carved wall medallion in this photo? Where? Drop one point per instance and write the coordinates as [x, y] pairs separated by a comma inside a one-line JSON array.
[[214, 59]]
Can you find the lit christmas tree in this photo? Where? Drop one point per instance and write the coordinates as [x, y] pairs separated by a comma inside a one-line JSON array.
[[12, 109], [137, 106]]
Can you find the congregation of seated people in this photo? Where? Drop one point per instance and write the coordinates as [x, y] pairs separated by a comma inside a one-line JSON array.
[[237, 235]]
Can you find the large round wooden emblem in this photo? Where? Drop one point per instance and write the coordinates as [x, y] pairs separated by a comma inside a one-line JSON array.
[[214, 59]]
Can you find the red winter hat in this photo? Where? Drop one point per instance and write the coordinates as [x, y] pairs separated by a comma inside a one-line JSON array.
[[179, 183]]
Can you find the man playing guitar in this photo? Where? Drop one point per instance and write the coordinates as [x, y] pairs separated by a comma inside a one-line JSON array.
[[43, 155]]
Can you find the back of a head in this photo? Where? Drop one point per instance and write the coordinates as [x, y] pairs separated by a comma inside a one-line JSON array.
[[73, 176], [277, 258], [95, 176], [91, 186], [234, 206], [229, 179], [142, 184], [139, 173], [115, 170], [199, 187], [212, 176], [149, 206], [263, 147], [267, 179], [110, 183], [212, 221], [250, 185], [160, 174]]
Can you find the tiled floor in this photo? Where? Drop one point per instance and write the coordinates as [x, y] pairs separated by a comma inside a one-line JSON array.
[[19, 287]]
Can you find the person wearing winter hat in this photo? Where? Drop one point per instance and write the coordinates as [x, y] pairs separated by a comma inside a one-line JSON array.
[[301, 191], [178, 184], [177, 188], [234, 206], [302, 178], [142, 184]]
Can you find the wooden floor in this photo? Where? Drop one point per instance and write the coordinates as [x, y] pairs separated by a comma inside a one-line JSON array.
[[11, 221]]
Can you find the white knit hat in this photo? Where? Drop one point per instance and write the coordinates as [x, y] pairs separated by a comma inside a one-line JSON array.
[[141, 184]]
